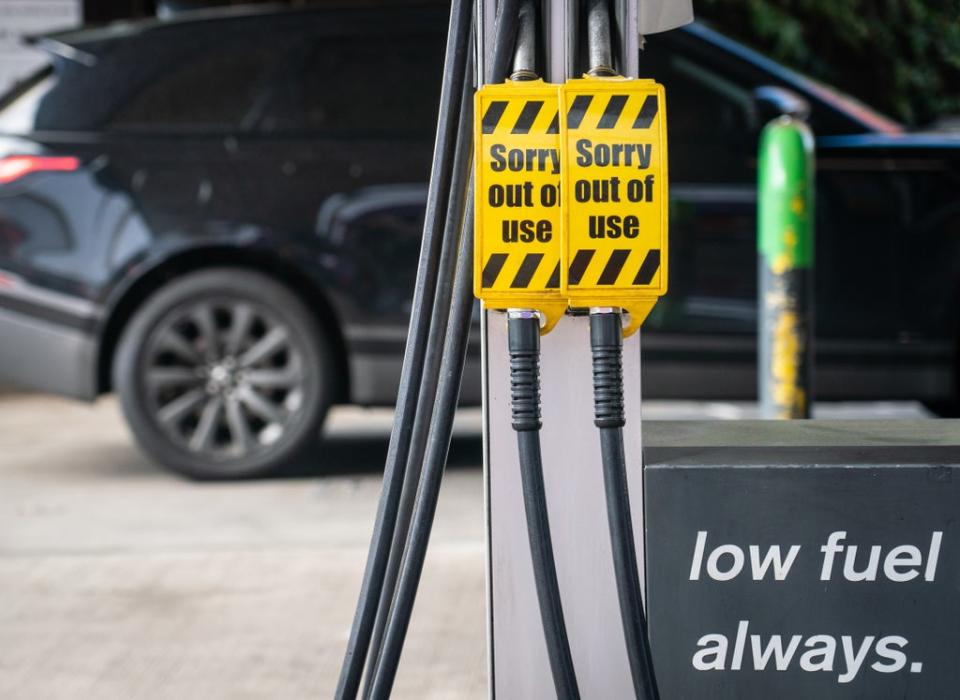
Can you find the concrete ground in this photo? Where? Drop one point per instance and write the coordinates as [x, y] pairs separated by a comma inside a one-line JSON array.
[[120, 580]]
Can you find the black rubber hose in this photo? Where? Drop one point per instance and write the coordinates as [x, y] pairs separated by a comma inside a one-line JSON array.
[[438, 446], [431, 374], [440, 316], [441, 423], [455, 61], [385, 667], [523, 336], [606, 341]]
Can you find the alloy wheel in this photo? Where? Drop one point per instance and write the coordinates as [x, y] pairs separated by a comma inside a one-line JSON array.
[[223, 377]]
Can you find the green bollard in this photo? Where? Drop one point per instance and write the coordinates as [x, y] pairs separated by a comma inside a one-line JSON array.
[[785, 248]]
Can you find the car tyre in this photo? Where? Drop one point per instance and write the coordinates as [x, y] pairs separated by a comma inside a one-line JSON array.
[[224, 373]]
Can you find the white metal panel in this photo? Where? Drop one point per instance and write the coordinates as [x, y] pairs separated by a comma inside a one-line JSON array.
[[578, 518]]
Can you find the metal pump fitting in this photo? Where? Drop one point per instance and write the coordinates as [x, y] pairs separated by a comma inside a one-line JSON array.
[[525, 53], [599, 41]]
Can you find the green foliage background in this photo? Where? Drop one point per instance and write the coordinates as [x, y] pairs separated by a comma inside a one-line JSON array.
[[899, 56]]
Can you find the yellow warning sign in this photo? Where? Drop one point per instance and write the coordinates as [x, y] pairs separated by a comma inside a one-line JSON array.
[[517, 250], [614, 173]]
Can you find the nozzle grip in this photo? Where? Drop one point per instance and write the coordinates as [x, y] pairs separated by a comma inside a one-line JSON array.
[[606, 342], [523, 338]]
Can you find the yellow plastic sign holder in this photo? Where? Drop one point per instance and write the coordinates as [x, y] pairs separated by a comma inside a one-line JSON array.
[[518, 196], [614, 174]]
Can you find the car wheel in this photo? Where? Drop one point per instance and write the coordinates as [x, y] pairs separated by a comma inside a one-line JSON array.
[[223, 373]]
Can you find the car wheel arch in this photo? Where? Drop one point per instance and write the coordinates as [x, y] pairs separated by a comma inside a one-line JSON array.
[[124, 306]]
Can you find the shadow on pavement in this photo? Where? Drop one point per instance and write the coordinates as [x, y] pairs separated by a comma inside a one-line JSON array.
[[346, 455]]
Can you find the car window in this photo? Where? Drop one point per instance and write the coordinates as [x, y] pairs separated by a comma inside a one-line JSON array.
[[210, 90], [386, 84], [709, 118]]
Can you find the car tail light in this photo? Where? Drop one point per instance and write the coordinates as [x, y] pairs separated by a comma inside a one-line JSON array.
[[14, 167]]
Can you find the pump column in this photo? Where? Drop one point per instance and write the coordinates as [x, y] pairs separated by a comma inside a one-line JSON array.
[[573, 471]]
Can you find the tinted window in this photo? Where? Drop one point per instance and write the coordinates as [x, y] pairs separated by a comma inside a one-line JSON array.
[[210, 90], [374, 84], [709, 118]]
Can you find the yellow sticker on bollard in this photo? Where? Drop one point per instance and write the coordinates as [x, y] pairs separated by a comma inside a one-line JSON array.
[[517, 189], [614, 173]]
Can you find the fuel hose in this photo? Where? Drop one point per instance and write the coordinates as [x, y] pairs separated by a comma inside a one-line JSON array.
[[431, 373], [456, 336], [523, 338], [455, 63], [523, 345], [606, 344], [438, 445]]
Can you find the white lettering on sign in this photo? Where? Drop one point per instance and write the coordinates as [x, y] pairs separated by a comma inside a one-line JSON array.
[[846, 655], [814, 653], [900, 564], [773, 558]]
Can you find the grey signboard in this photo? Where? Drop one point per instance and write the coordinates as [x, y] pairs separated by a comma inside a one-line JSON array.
[[805, 561]]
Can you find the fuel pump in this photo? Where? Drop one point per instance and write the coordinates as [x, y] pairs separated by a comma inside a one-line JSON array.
[[517, 270], [569, 192], [614, 255]]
